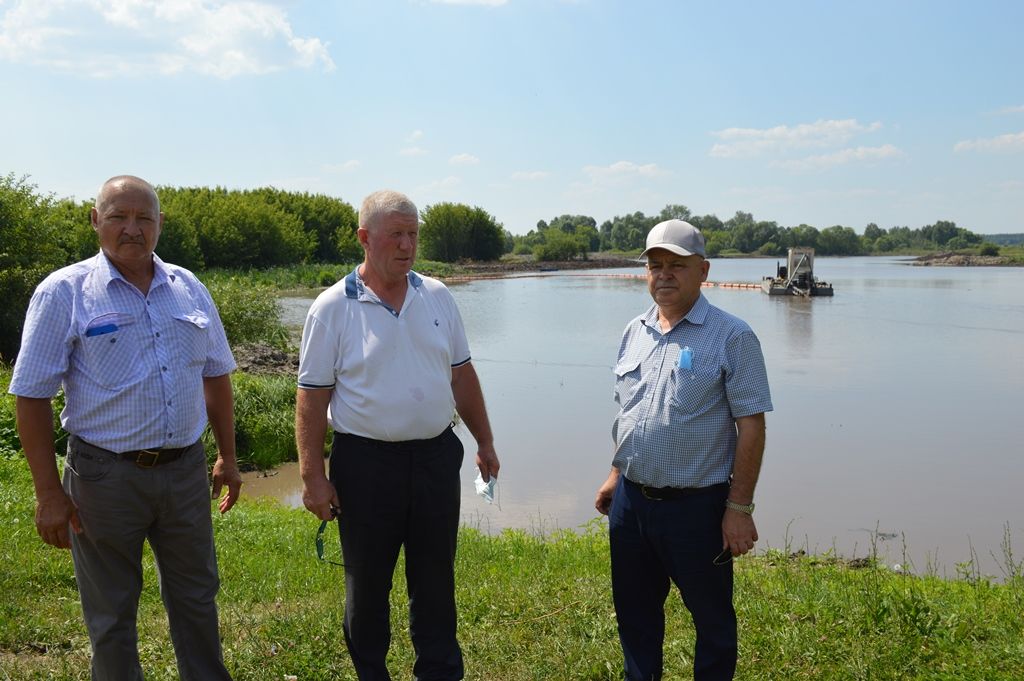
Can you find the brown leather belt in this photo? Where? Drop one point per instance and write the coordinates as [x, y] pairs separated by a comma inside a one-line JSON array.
[[143, 458], [670, 493]]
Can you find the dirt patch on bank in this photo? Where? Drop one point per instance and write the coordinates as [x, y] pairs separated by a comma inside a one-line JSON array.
[[959, 260], [266, 360]]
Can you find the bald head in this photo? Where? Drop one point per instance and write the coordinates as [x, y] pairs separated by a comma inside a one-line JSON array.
[[119, 184]]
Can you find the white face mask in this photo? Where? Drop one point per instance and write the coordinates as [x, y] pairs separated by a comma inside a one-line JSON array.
[[485, 489]]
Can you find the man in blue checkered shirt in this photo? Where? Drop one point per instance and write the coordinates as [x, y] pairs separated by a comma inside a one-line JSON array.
[[139, 349], [692, 390]]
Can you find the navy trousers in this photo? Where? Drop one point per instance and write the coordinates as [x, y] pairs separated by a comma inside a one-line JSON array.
[[658, 543], [394, 495]]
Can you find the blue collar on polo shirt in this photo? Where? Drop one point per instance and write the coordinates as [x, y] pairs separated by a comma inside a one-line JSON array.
[[356, 289]]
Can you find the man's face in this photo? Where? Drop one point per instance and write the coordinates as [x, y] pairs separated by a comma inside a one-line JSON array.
[[390, 246], [674, 280], [127, 221]]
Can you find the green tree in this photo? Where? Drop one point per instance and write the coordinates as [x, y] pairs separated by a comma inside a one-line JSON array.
[[454, 231], [29, 250], [675, 211], [558, 245], [838, 240]]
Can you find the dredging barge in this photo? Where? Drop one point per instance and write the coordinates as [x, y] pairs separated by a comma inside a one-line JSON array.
[[796, 277]]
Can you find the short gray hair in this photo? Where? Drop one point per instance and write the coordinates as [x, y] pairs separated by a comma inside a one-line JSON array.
[[385, 202]]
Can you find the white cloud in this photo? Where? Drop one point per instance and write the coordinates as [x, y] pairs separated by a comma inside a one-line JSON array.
[[346, 167], [464, 160], [621, 170], [101, 38], [414, 136], [442, 186], [1011, 142], [413, 151], [842, 157], [747, 142], [1011, 109], [530, 175]]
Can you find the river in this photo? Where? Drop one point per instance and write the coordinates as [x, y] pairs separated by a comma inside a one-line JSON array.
[[897, 404]]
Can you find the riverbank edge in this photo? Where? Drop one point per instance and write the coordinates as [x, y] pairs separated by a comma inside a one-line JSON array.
[[529, 607]]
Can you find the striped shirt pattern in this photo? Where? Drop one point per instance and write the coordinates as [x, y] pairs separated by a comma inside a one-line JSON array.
[[676, 425], [131, 366]]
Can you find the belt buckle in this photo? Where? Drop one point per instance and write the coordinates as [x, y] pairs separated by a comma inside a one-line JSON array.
[[150, 452], [643, 490]]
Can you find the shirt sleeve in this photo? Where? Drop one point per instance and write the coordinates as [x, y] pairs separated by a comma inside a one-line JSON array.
[[459, 341], [317, 354], [746, 382], [219, 360], [46, 343]]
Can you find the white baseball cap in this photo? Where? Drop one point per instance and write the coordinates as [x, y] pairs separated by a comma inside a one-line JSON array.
[[676, 236]]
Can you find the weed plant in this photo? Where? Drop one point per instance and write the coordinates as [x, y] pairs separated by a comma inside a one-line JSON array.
[[531, 607]]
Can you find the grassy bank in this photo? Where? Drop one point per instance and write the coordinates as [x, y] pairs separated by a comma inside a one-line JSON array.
[[530, 607]]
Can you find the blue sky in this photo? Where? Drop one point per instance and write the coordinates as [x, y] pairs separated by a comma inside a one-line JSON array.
[[898, 113]]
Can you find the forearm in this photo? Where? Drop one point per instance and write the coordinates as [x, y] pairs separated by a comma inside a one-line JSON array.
[[220, 410], [469, 402], [35, 430], [311, 430], [749, 452]]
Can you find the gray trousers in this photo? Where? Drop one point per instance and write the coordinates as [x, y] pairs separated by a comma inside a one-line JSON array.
[[121, 505]]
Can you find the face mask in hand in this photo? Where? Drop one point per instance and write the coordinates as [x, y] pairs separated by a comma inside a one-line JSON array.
[[485, 489]]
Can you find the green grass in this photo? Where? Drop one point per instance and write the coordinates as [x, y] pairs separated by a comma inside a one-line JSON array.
[[530, 607]]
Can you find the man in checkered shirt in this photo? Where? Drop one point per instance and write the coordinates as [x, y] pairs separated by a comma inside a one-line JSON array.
[[692, 390], [139, 349]]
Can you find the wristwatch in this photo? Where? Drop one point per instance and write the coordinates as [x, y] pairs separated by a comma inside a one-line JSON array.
[[742, 508]]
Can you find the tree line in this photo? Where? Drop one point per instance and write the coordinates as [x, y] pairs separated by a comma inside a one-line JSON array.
[[259, 228], [572, 236]]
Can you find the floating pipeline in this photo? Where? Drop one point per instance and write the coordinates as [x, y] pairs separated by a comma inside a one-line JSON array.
[[609, 275]]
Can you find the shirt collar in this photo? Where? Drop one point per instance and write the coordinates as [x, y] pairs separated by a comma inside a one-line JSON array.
[[108, 272], [355, 288], [696, 315]]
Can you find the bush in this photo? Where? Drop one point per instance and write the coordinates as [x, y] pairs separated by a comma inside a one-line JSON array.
[[988, 249], [250, 312], [264, 421]]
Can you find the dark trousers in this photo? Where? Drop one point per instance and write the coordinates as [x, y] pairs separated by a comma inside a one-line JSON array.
[[657, 543], [121, 506], [396, 494]]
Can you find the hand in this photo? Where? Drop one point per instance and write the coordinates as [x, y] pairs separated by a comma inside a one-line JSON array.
[[738, 532], [487, 462], [226, 474], [603, 501], [320, 497], [54, 512]]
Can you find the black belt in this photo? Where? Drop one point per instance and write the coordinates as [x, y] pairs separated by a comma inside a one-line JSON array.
[[670, 493], [143, 458]]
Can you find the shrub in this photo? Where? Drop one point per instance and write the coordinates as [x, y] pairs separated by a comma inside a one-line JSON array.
[[988, 249], [264, 421], [250, 312]]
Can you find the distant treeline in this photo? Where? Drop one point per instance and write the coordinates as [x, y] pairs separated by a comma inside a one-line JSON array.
[[259, 228], [1005, 239], [743, 234]]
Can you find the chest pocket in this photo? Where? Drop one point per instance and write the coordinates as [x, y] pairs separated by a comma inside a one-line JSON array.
[[190, 332], [696, 389], [627, 381], [111, 350]]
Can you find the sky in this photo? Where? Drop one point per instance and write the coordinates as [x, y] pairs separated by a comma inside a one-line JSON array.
[[821, 113]]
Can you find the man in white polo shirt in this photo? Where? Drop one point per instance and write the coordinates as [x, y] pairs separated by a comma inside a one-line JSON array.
[[385, 362]]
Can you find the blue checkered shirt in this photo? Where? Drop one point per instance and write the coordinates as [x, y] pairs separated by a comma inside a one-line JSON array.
[[676, 426], [132, 366]]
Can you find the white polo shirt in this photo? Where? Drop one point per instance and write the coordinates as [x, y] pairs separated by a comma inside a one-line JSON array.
[[390, 370]]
